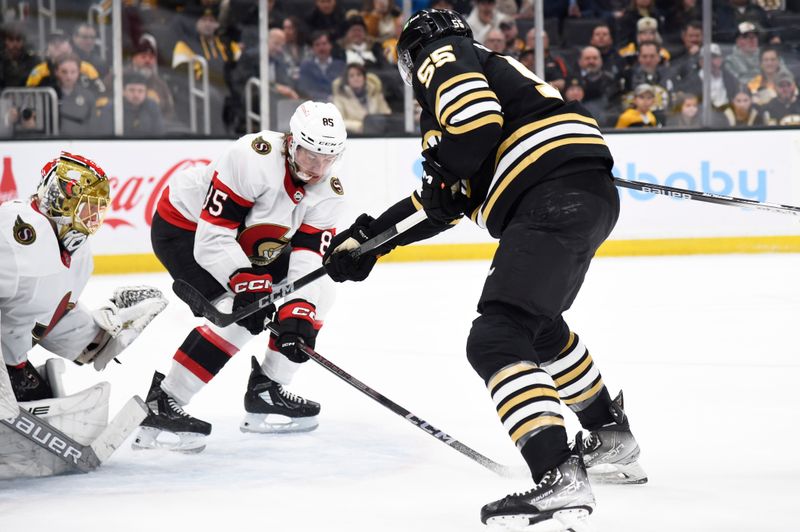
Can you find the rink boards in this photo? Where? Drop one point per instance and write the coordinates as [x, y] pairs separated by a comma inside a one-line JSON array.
[[757, 165]]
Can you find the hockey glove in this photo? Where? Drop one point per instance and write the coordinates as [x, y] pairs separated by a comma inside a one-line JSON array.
[[130, 310], [339, 263], [248, 285], [297, 325], [440, 195]]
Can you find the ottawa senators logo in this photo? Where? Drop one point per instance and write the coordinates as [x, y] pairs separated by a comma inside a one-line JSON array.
[[263, 243], [336, 185], [261, 146], [23, 232]]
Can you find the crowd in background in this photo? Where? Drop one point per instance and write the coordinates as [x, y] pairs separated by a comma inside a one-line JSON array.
[[633, 63]]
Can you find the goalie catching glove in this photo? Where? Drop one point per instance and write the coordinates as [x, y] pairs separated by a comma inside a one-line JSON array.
[[339, 263], [130, 310]]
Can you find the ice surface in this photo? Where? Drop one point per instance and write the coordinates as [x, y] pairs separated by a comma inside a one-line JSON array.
[[706, 348]]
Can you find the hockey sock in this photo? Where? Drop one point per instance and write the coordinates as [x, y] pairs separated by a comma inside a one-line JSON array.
[[580, 384], [276, 366], [201, 356], [527, 403]]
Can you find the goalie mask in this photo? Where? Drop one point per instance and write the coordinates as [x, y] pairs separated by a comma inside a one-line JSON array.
[[423, 28], [74, 194], [317, 141]]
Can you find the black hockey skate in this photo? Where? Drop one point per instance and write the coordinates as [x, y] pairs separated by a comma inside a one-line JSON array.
[[271, 409], [167, 426], [611, 453], [561, 501]]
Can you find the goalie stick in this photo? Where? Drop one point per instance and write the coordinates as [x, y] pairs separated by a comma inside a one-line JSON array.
[[488, 463], [679, 193], [82, 458], [198, 303]]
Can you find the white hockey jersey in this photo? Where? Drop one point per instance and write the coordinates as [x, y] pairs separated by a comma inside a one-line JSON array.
[[246, 209], [40, 287]]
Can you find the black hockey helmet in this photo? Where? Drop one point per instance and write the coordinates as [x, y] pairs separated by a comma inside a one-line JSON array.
[[424, 27]]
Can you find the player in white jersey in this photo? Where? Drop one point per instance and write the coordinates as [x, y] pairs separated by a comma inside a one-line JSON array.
[[46, 264], [262, 212]]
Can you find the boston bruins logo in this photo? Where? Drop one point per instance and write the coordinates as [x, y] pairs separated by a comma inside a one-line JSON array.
[[261, 146], [336, 185], [263, 243], [23, 232]]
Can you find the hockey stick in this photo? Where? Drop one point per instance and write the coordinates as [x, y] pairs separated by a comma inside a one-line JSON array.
[[82, 458], [488, 463], [680, 193], [198, 303]]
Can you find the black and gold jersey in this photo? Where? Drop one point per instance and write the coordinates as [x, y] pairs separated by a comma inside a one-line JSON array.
[[498, 126]]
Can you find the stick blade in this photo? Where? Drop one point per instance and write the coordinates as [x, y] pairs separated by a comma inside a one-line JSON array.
[[116, 432], [199, 304]]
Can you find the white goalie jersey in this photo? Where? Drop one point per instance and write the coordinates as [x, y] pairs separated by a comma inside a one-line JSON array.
[[246, 209], [39, 287]]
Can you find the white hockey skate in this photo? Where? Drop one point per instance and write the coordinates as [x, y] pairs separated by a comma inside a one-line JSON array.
[[611, 453], [562, 501], [167, 426], [272, 410]]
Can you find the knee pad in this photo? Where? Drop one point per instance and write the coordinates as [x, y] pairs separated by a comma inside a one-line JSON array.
[[495, 341], [551, 340]]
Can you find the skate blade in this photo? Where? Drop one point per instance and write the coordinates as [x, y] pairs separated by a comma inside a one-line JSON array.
[[149, 438], [277, 424], [618, 474], [567, 520]]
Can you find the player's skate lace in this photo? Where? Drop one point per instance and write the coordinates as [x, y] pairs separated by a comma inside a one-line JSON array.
[[286, 394], [175, 407], [546, 479]]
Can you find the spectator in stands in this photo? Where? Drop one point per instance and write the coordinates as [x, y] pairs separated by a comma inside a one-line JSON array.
[[628, 22], [742, 112], [686, 113], [318, 72], [16, 59], [76, 104], [555, 69], [357, 94], [691, 41], [723, 84], [601, 90], [574, 91], [646, 32], [495, 41], [729, 15], [141, 115], [84, 43], [744, 61], [528, 58], [296, 49], [640, 114], [784, 110], [357, 48], [483, 17], [42, 74], [513, 44], [649, 71], [602, 40], [201, 39], [144, 61], [763, 86], [380, 18], [680, 15], [326, 16], [27, 124]]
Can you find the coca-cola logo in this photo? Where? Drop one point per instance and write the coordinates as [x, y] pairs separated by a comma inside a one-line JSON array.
[[130, 194]]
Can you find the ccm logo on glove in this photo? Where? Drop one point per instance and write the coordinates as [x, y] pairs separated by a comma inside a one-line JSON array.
[[250, 282]]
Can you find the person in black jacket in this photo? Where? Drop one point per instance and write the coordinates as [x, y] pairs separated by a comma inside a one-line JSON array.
[[503, 148], [141, 115]]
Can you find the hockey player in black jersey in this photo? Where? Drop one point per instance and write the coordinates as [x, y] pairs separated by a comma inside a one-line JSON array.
[[502, 147]]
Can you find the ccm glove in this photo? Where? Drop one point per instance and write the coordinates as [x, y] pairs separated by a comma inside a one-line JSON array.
[[339, 263], [440, 195], [297, 325], [248, 285]]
